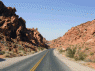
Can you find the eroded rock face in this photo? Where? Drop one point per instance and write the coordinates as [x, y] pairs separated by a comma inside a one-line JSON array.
[[78, 34], [35, 37], [81, 36], [14, 27], [10, 23]]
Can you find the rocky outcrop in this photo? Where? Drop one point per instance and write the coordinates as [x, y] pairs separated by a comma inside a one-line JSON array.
[[81, 36], [14, 27], [78, 34], [10, 24]]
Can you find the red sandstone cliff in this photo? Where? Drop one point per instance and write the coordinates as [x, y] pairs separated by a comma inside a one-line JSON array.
[[14, 35], [81, 36]]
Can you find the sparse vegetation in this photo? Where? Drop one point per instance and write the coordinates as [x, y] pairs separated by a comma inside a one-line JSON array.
[[88, 60], [20, 48], [32, 52], [61, 51], [28, 49], [74, 53], [70, 52], [87, 48], [2, 52], [60, 46], [22, 51], [40, 48], [14, 55], [83, 35], [21, 54], [7, 48], [91, 53], [7, 55], [80, 56]]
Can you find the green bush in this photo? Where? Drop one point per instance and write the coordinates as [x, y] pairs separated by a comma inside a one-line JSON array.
[[7, 55], [22, 51], [2, 52], [32, 52], [81, 56], [20, 48], [29, 49], [42, 48], [7, 48], [39, 48], [91, 53], [87, 48], [61, 51], [14, 55], [70, 52]]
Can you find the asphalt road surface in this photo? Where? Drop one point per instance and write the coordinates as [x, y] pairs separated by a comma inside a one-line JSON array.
[[48, 63]]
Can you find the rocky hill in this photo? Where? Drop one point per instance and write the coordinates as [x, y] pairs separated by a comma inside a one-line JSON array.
[[82, 37], [14, 36]]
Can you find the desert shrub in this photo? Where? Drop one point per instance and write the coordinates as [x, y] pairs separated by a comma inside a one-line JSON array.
[[32, 52], [60, 46], [39, 48], [10, 52], [28, 49], [20, 48], [2, 52], [7, 48], [91, 53], [21, 54], [14, 55], [70, 52], [88, 60], [6, 52], [25, 55], [7, 55], [87, 49], [22, 51], [42, 48], [80, 56], [61, 51]]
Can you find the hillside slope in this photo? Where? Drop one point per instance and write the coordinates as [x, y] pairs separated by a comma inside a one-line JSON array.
[[81, 37], [15, 37]]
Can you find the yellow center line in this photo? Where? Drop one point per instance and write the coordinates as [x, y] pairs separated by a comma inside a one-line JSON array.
[[36, 65]]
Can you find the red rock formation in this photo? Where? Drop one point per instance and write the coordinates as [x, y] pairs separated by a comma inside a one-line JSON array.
[[14, 27], [82, 36], [78, 34]]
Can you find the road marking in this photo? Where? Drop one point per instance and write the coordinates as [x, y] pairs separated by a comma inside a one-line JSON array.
[[36, 65]]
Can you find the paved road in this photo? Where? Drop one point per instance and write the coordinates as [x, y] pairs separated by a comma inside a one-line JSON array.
[[49, 63]]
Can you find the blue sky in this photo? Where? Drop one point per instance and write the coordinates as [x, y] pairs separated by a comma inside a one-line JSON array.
[[53, 18]]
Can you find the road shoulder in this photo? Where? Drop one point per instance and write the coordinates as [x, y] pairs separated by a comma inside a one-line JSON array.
[[10, 61], [71, 64]]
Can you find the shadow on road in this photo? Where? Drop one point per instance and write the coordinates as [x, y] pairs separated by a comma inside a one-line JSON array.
[[2, 59]]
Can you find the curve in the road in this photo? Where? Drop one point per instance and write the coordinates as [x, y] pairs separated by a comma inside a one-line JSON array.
[[36, 65]]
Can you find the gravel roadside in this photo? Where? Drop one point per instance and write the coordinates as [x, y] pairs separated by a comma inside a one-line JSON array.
[[71, 64], [10, 61]]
